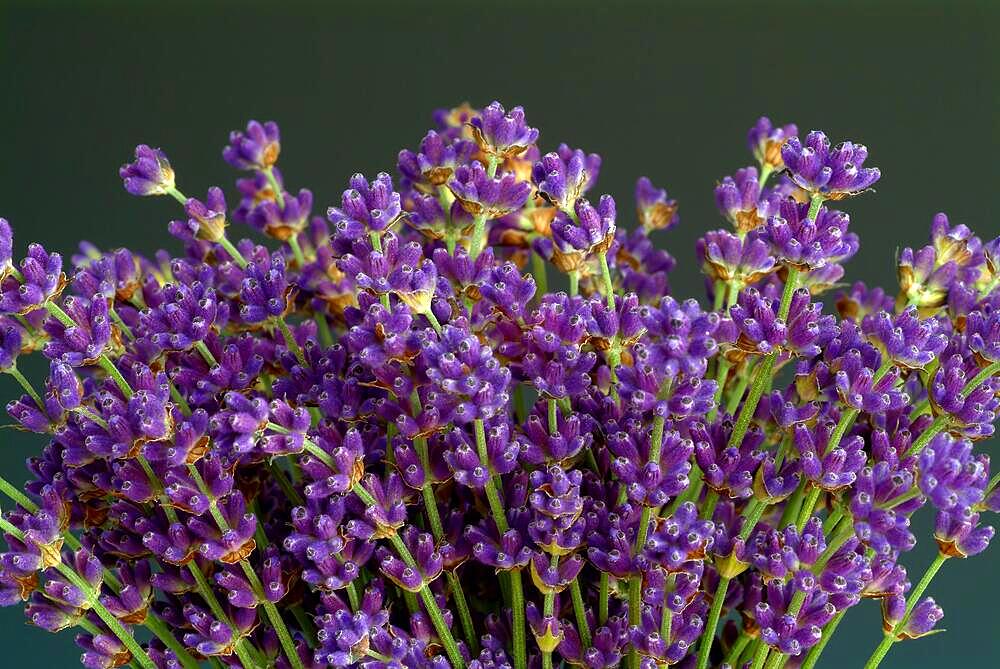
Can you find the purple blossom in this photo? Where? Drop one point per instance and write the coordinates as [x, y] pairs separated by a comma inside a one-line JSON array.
[[655, 210], [366, 207], [41, 279], [804, 243], [831, 173], [564, 176], [501, 133], [910, 341], [766, 140], [149, 174], [255, 149], [483, 195]]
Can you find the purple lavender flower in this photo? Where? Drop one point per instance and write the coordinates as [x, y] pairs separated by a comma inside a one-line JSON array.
[[564, 176], [959, 534], [255, 149], [469, 380], [833, 174], [590, 232], [483, 195], [654, 209], [11, 341], [649, 483], [85, 342], [264, 291], [951, 476], [831, 469], [366, 207], [725, 257], [6, 248], [766, 141], [807, 244], [427, 565], [756, 318], [727, 470], [788, 555], [972, 412], [679, 539], [206, 220], [983, 331], [149, 174], [41, 279], [436, 160], [910, 341], [283, 222], [792, 634], [556, 526], [738, 198], [501, 133]]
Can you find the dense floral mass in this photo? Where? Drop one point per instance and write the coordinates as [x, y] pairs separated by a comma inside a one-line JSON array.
[[381, 441]]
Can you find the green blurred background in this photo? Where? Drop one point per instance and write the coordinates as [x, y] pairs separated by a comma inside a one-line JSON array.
[[668, 92]]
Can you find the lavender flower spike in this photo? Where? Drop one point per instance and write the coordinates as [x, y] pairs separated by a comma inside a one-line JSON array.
[[833, 174]]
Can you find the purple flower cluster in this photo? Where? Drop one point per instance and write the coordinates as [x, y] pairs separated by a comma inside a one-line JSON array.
[[382, 441]]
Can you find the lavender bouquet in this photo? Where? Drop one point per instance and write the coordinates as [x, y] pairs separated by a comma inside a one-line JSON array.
[[380, 441]]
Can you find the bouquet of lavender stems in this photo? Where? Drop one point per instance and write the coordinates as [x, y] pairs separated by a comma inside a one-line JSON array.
[[385, 443]]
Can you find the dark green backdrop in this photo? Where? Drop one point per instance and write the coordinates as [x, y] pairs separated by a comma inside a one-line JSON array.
[[663, 91]]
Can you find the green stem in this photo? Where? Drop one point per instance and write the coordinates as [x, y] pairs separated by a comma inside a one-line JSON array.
[[603, 599], [574, 283], [478, 236], [609, 286], [290, 342], [540, 272], [708, 634], [206, 354], [433, 321], [233, 252], [581, 614], [807, 507], [734, 653], [433, 611], [925, 437], [500, 518], [984, 373], [120, 323], [736, 394], [911, 601], [273, 615], [26, 384], [93, 599], [635, 584], [763, 375], [325, 336], [760, 655], [105, 362], [177, 195]]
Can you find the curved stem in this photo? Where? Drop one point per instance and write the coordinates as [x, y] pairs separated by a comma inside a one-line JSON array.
[[925, 437], [93, 599], [26, 384], [911, 601]]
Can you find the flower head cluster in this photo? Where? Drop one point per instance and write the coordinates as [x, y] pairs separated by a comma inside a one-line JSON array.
[[381, 440]]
